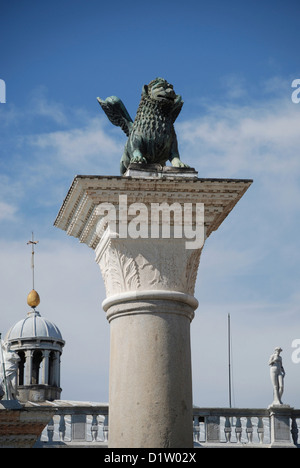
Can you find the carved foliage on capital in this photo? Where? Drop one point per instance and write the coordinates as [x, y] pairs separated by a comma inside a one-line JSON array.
[[129, 265], [191, 270], [119, 269]]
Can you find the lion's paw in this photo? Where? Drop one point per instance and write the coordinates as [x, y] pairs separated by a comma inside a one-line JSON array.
[[138, 159], [176, 162]]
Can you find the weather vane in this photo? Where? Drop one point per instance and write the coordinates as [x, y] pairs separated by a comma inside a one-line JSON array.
[[33, 299]]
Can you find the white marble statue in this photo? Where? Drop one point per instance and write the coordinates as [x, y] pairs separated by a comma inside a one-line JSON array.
[[9, 372], [277, 374]]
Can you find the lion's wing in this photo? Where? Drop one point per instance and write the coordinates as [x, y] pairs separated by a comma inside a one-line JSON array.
[[117, 113], [177, 108]]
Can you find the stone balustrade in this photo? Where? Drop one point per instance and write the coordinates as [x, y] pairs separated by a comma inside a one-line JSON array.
[[226, 426], [236, 427], [80, 424], [76, 424]]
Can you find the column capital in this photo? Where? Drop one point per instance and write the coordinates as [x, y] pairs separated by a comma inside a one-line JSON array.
[[79, 214], [147, 260], [136, 265]]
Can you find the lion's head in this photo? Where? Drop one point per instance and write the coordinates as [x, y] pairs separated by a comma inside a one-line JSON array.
[[160, 90]]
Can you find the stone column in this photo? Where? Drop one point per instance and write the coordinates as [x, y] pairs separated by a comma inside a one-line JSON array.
[[28, 367], [149, 279], [56, 369], [150, 312], [45, 367]]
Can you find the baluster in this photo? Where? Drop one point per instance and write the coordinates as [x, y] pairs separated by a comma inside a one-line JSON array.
[[249, 430], [50, 430], [94, 428], [260, 430], [62, 427], [238, 429], [196, 429], [294, 431], [227, 429], [105, 428]]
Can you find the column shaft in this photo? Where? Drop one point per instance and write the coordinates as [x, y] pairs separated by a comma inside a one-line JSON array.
[[150, 374]]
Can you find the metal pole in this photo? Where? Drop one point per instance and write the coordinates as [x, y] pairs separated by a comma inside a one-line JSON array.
[[229, 363]]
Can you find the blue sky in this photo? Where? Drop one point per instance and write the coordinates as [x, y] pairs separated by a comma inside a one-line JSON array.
[[233, 63]]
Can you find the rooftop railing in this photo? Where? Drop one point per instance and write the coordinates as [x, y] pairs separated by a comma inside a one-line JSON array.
[[79, 424]]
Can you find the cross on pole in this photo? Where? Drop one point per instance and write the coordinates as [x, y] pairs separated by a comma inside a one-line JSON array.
[[32, 242]]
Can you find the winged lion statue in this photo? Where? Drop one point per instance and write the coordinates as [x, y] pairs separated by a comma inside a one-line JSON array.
[[151, 136]]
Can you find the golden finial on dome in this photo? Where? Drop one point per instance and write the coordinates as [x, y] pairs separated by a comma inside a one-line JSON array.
[[33, 299]]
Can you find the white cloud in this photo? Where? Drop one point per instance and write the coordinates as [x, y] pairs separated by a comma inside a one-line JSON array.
[[260, 139], [41, 106], [42, 164], [259, 142], [78, 146], [75, 140], [235, 86], [7, 211]]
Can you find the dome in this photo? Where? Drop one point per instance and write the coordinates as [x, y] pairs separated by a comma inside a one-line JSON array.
[[34, 326]]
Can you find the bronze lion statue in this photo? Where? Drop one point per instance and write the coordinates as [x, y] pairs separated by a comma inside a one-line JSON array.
[[151, 136]]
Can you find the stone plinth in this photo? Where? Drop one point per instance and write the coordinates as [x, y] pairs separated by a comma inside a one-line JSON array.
[[280, 416], [149, 265]]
